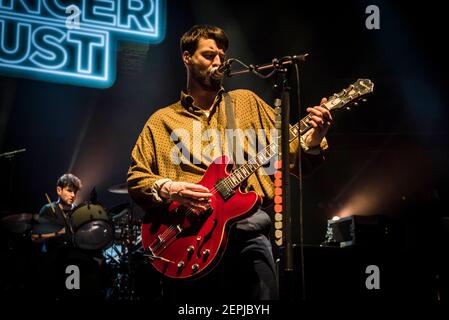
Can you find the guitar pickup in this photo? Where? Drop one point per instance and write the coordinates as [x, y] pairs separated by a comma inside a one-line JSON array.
[[225, 191]]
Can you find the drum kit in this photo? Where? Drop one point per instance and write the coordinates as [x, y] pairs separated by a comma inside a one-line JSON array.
[[116, 232]]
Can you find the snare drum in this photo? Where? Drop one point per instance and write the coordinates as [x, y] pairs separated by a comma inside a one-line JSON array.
[[91, 227]]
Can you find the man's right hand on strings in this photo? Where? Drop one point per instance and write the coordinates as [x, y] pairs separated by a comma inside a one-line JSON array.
[[194, 196]]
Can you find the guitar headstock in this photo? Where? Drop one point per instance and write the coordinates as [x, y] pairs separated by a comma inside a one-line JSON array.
[[351, 95]]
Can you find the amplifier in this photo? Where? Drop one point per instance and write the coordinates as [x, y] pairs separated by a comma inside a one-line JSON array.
[[357, 230]]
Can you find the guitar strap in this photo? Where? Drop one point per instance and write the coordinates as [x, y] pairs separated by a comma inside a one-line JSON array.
[[231, 124], [259, 222]]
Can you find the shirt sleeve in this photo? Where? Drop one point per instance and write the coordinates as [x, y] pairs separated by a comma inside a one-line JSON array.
[[143, 182]]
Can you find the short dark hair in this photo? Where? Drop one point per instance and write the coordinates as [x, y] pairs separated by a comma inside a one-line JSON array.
[[69, 180], [190, 39]]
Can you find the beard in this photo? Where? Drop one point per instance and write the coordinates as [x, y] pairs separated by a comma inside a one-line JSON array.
[[202, 77]]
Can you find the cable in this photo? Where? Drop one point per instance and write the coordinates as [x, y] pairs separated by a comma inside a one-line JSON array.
[[301, 221]]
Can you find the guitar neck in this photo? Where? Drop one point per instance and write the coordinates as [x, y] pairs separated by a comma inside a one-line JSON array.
[[337, 101], [244, 171]]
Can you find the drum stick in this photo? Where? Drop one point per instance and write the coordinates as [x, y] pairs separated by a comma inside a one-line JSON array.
[[51, 204]]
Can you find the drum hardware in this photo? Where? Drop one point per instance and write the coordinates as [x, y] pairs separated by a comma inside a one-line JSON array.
[[119, 211], [120, 255]]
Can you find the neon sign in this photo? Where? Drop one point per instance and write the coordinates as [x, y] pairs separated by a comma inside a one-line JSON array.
[[73, 41]]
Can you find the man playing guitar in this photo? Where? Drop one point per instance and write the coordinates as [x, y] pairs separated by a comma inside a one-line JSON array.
[[173, 152]]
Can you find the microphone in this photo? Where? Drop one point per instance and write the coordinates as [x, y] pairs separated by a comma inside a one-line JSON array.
[[220, 72], [300, 58]]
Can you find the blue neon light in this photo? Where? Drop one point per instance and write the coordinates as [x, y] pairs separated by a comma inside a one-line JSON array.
[[36, 40]]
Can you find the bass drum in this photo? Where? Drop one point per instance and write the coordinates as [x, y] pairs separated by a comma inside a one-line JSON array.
[[91, 227]]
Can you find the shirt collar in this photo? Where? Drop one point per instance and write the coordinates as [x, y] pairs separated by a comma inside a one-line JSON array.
[[187, 100]]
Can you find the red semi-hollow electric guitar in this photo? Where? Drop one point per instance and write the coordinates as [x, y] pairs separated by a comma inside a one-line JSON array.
[[185, 245]]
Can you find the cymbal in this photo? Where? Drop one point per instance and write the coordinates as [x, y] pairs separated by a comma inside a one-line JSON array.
[[19, 223], [121, 188]]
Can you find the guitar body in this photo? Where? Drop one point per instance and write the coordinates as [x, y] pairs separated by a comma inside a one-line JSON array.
[[185, 245]]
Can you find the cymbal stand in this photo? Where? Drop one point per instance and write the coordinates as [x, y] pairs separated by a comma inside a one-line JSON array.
[[123, 287]]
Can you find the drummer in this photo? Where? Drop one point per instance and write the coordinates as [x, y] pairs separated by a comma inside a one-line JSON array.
[[58, 212]]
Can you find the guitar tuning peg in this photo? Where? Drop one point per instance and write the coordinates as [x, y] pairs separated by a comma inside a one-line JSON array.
[[348, 108], [356, 104], [364, 100]]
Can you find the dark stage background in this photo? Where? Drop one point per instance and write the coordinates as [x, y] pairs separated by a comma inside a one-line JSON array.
[[388, 156]]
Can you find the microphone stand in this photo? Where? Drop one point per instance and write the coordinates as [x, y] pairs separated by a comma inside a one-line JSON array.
[[281, 68]]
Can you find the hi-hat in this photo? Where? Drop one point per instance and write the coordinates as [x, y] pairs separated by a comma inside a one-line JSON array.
[[121, 188]]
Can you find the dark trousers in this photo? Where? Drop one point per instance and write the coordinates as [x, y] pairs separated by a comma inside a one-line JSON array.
[[246, 272]]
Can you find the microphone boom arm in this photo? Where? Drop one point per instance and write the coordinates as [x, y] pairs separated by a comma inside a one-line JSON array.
[[275, 64]]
